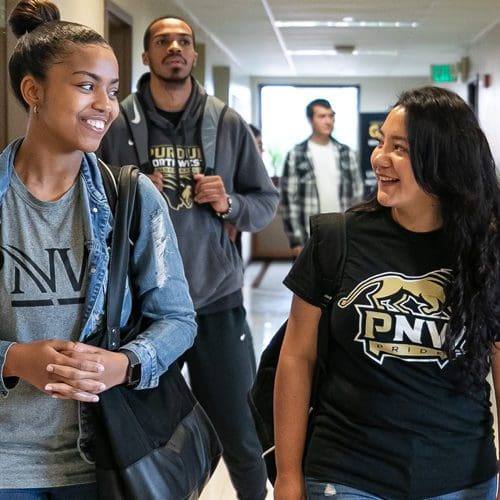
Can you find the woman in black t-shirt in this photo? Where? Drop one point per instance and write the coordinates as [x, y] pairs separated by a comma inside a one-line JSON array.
[[403, 411]]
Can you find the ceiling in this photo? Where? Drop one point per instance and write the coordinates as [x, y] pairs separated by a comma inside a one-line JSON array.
[[246, 34]]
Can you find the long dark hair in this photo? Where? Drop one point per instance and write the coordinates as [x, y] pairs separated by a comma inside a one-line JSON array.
[[451, 159], [43, 40]]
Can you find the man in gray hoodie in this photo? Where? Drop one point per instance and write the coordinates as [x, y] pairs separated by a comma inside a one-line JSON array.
[[201, 198]]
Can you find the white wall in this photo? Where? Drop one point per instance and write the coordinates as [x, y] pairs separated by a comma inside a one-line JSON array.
[[485, 59], [484, 56]]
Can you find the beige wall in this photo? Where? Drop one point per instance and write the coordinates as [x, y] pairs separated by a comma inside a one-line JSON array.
[[87, 12]]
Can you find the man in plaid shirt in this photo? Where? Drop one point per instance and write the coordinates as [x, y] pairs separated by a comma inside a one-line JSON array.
[[320, 175]]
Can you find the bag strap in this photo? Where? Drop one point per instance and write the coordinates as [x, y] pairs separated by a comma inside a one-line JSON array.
[[109, 176], [330, 253], [213, 113], [121, 194]]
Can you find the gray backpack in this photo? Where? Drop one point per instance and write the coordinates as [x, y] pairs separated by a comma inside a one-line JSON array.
[[213, 113]]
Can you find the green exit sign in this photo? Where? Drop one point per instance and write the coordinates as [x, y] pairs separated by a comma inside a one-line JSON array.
[[444, 73]]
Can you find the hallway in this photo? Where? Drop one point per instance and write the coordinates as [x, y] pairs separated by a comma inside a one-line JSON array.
[[267, 306]]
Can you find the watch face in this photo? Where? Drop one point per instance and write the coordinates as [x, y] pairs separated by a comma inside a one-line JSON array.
[[134, 374], [134, 368]]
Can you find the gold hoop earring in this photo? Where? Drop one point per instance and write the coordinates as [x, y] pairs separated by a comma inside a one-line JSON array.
[[35, 109]]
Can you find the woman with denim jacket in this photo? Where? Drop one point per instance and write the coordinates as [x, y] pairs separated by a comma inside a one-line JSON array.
[[54, 225]]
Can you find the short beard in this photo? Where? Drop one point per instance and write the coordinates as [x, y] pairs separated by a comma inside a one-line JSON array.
[[172, 80], [178, 80]]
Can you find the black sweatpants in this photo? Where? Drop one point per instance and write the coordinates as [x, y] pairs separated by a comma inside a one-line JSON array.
[[221, 367]]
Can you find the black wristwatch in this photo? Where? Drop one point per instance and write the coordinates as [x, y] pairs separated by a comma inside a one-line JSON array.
[[134, 368]]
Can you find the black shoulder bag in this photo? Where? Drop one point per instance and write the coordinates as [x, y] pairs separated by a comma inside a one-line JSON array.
[[329, 253], [150, 444]]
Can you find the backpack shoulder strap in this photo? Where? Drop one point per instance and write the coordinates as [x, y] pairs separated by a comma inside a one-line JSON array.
[[109, 176], [330, 250], [120, 250], [111, 180], [330, 253], [134, 114], [213, 113]]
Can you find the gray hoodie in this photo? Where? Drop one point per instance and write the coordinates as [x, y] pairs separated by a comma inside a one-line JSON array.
[[213, 267]]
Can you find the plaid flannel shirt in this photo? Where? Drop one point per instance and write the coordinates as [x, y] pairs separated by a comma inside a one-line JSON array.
[[299, 193]]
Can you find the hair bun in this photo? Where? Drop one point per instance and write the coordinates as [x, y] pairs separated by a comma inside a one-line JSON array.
[[29, 14]]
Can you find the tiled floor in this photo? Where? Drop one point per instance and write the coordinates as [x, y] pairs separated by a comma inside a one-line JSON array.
[[267, 307], [267, 304]]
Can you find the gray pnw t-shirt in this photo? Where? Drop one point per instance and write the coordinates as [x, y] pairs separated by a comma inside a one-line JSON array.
[[42, 289]]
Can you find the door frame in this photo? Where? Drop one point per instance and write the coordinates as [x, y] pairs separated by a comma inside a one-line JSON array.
[[124, 52]]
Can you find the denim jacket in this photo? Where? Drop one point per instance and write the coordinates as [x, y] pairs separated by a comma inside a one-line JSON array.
[[156, 267]]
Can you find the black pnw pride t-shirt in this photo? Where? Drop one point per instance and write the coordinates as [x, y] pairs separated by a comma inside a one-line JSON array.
[[390, 419]]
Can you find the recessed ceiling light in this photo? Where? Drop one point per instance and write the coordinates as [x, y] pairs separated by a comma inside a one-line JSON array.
[[345, 24], [387, 53], [333, 52], [312, 52]]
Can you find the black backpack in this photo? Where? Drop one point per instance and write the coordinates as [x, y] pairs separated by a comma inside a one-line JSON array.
[[330, 254]]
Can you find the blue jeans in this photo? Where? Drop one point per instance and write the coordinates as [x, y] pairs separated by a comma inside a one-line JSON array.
[[321, 490], [75, 492]]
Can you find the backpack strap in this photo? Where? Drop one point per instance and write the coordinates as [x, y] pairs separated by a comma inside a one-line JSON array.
[[136, 119], [330, 254], [120, 250], [110, 180], [120, 186], [330, 250], [213, 113], [109, 176]]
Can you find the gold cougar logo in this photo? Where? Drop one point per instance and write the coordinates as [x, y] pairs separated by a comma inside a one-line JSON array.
[[402, 316], [392, 291]]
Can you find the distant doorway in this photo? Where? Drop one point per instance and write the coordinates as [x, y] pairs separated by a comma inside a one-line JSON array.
[[473, 94], [119, 35]]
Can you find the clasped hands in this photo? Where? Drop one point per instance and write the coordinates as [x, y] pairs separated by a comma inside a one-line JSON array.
[[66, 370], [207, 189]]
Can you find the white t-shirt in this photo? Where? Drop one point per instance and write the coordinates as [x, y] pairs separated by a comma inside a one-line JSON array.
[[325, 159]]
